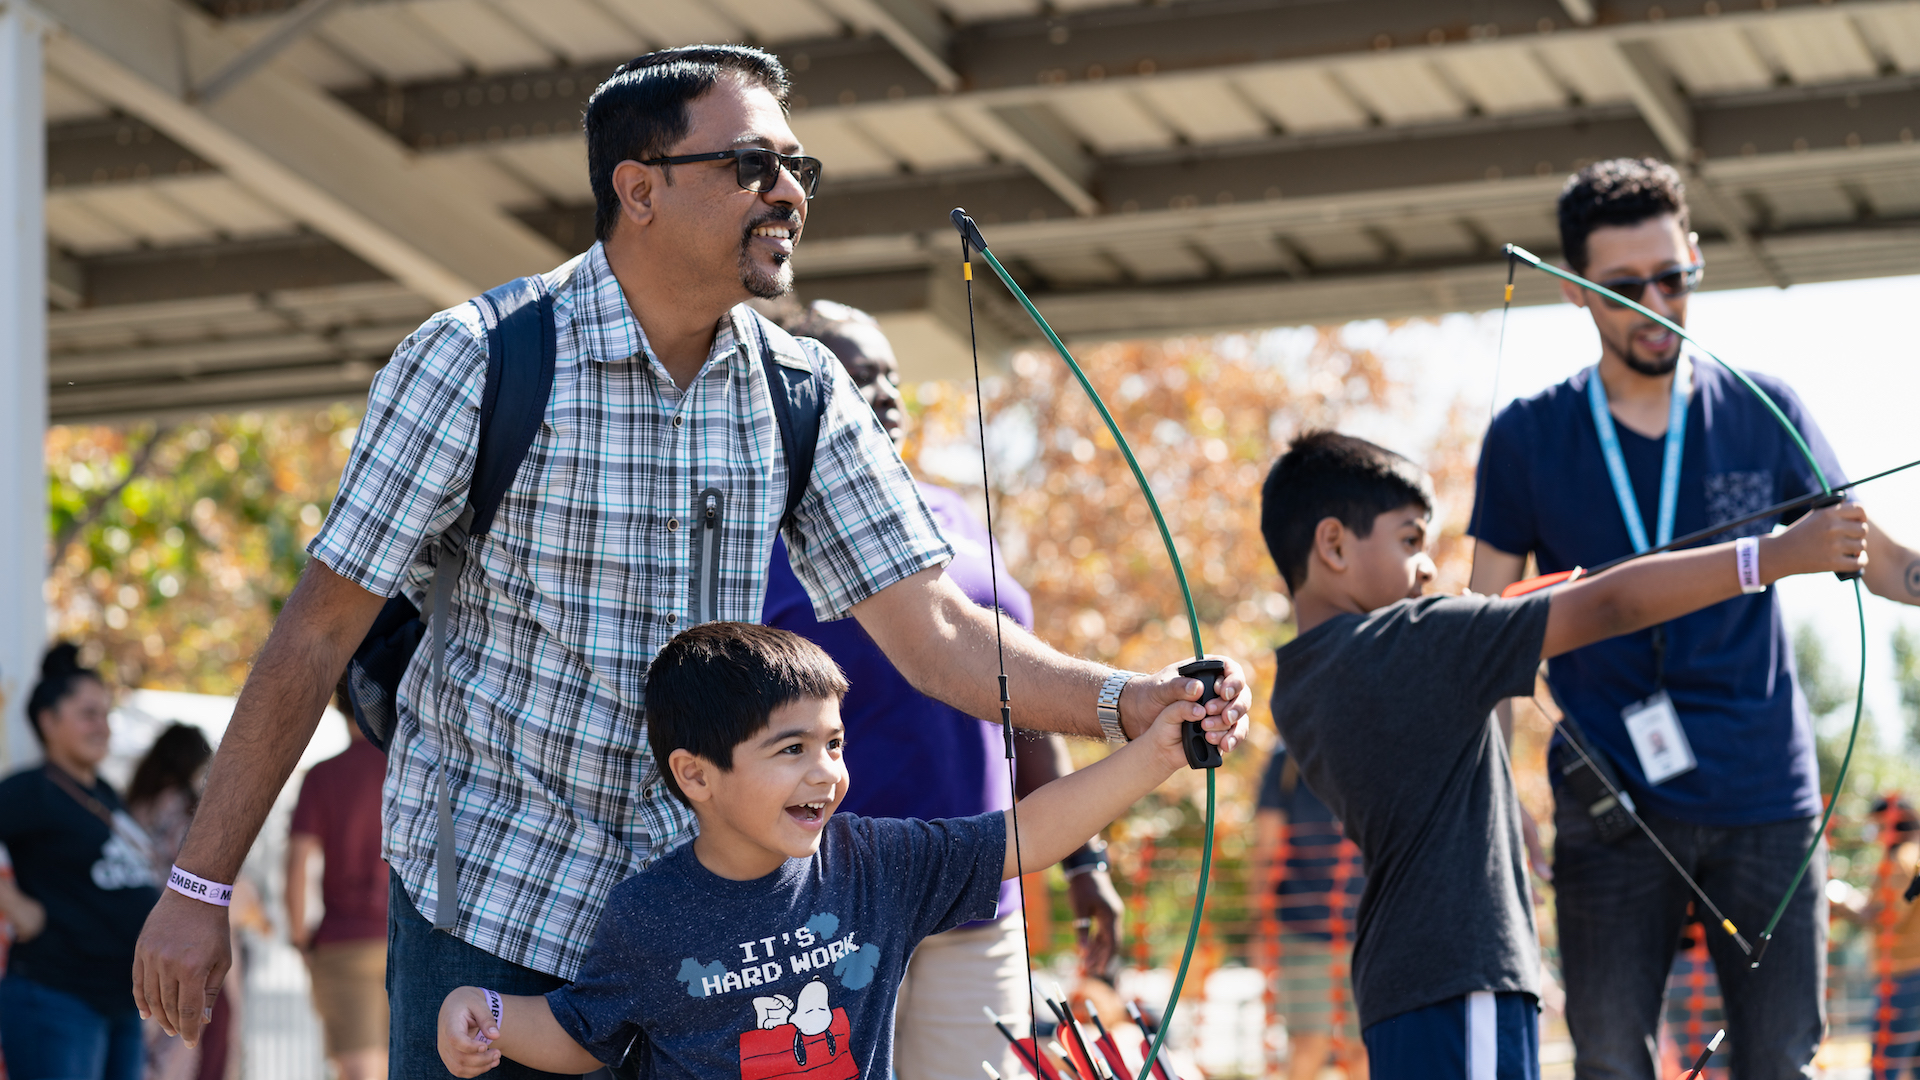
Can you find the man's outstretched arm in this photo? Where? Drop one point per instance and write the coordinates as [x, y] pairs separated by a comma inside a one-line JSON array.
[[183, 952], [1893, 569], [944, 644]]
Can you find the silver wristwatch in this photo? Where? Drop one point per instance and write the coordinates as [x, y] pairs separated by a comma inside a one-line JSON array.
[[1108, 708]]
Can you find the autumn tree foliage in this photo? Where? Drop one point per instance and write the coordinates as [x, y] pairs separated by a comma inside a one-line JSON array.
[[1206, 417], [174, 546]]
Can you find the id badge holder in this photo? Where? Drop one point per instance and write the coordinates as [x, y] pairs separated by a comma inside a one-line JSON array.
[[1658, 738]]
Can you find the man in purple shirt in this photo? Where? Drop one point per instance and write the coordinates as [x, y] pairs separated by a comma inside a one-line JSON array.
[[920, 758]]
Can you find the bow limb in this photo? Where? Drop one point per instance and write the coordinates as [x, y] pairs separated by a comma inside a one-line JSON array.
[[971, 238]]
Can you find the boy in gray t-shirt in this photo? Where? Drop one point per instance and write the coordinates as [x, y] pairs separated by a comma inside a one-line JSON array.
[[1385, 698], [773, 946]]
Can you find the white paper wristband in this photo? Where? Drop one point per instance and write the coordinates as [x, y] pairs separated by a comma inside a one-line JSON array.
[[207, 892], [493, 1006], [1746, 559]]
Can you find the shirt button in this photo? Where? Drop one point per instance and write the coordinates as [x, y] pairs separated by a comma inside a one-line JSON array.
[[677, 421], [672, 524], [672, 618]]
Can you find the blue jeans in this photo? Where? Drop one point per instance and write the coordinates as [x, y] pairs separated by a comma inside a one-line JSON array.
[[1620, 911], [47, 1034], [423, 967]]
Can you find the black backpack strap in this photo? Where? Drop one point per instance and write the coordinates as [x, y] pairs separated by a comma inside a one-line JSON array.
[[799, 402], [520, 359]]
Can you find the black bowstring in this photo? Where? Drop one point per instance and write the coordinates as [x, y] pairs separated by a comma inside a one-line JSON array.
[[1621, 798], [999, 645]]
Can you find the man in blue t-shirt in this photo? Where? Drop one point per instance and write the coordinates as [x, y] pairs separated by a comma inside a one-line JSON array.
[[920, 758], [1702, 718]]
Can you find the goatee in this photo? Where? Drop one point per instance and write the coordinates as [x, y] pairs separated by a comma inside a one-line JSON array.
[[764, 285], [1652, 368]]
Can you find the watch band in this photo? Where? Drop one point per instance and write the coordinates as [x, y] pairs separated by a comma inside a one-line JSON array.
[[1090, 857], [1108, 708]]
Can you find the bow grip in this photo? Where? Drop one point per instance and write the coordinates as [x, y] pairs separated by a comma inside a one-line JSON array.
[[1822, 503], [1201, 754]]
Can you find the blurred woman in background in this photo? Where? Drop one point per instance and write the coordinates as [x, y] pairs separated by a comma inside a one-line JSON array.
[[86, 868], [162, 796]]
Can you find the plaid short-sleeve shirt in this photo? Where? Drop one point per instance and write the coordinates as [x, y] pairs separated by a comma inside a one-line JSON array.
[[600, 552]]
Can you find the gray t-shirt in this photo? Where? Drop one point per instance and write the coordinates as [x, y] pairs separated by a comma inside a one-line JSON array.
[[1389, 715]]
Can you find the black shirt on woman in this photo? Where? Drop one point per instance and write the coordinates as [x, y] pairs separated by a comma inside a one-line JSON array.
[[95, 881]]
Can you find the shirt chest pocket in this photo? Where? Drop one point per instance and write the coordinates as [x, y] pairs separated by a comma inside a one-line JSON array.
[[1735, 494], [731, 515]]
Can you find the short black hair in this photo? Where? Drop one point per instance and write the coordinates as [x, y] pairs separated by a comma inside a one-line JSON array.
[[717, 685], [1618, 191], [60, 672], [641, 110], [1326, 474]]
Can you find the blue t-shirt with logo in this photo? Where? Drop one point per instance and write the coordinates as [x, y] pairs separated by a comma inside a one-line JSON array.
[[792, 976], [1543, 488], [909, 755]]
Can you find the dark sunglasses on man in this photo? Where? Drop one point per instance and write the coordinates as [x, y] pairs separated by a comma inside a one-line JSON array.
[[1676, 282], [757, 168]]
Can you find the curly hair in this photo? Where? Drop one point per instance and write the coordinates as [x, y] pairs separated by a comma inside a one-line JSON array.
[[1618, 191]]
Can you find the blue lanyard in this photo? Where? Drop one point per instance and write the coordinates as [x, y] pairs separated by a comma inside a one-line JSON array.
[[1669, 462]]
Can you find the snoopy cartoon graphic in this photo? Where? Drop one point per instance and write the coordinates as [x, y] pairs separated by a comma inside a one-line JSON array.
[[802, 1039]]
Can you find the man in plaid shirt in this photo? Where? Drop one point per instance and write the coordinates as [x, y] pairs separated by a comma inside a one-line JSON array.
[[659, 433]]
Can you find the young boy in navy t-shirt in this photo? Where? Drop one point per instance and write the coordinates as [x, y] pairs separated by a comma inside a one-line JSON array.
[[1385, 698], [773, 945]]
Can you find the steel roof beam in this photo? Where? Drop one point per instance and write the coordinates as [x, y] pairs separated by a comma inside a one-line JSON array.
[[290, 28], [1656, 93], [295, 147], [880, 224]]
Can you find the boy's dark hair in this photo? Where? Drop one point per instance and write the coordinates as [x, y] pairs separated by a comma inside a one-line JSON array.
[[715, 686], [1326, 474], [1618, 191], [60, 672], [641, 110]]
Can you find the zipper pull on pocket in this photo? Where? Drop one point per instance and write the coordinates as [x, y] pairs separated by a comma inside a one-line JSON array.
[[706, 558]]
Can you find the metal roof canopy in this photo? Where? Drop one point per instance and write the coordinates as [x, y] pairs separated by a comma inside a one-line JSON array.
[[251, 202]]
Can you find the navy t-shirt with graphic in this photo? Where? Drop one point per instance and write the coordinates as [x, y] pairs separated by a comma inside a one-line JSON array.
[[1543, 488], [792, 975]]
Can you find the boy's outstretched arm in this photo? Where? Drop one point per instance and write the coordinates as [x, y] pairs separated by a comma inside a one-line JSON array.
[[1061, 815], [1658, 588], [471, 1043]]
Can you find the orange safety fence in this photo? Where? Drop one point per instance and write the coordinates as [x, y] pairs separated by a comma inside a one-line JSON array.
[[1275, 928], [1886, 915]]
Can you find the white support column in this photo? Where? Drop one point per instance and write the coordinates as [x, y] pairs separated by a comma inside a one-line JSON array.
[[23, 373]]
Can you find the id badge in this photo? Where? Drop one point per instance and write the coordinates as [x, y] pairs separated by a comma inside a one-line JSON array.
[[1658, 738]]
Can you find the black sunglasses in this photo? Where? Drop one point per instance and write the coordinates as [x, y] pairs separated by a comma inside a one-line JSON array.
[[757, 168], [1676, 282]]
